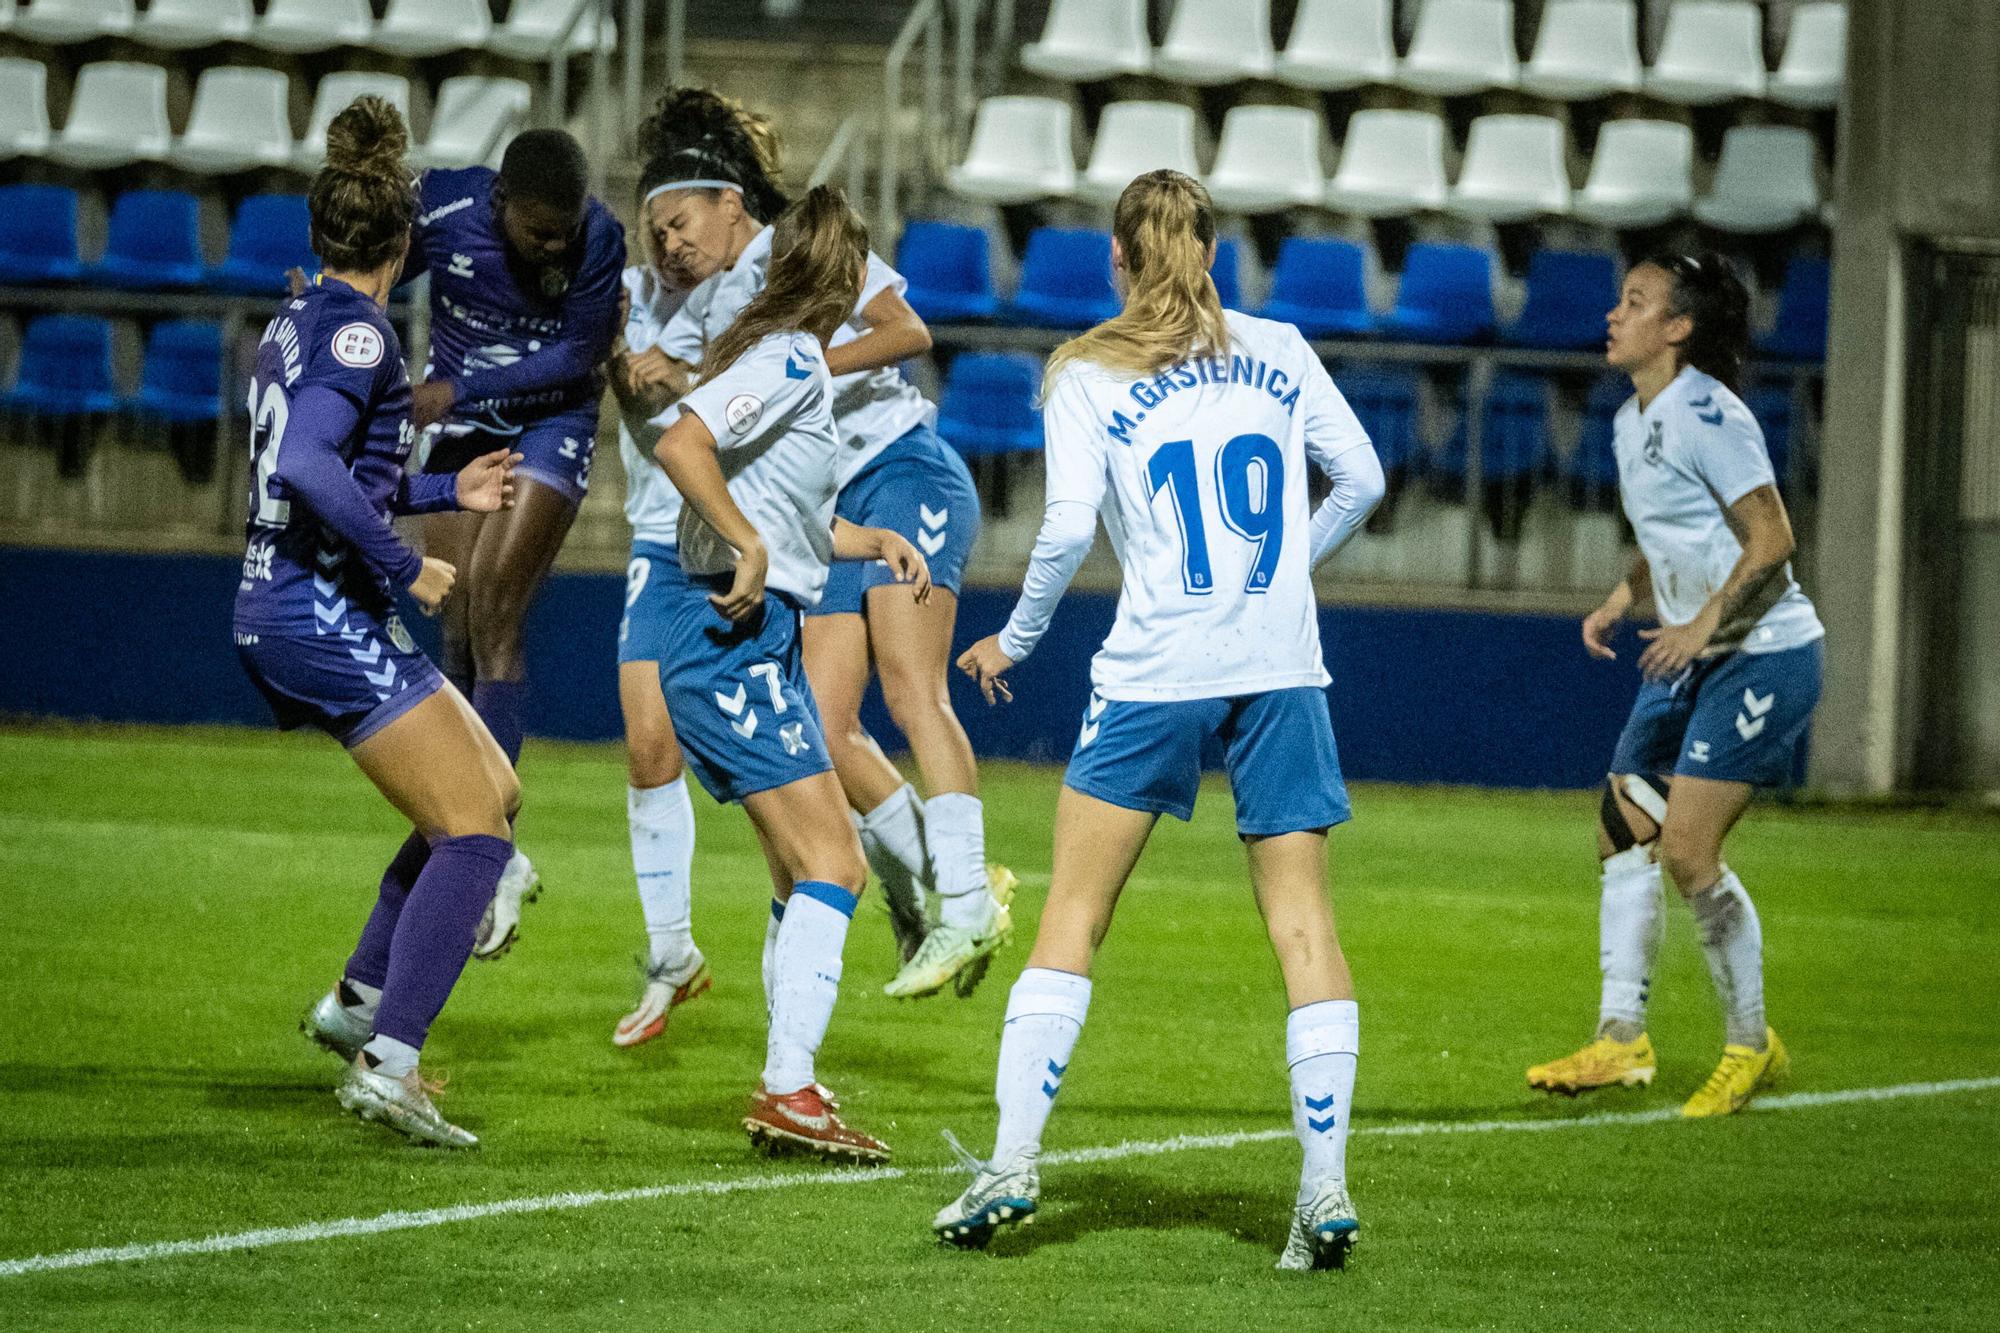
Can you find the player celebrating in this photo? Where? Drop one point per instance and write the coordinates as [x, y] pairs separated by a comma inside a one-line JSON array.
[[524, 272], [1731, 674], [317, 631], [1189, 428], [755, 456]]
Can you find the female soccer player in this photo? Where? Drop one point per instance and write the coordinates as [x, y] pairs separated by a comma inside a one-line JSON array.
[[1731, 674], [755, 457], [895, 472], [524, 272], [316, 625], [1189, 428]]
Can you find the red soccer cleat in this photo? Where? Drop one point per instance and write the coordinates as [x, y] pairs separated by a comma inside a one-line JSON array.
[[657, 1003], [804, 1121]]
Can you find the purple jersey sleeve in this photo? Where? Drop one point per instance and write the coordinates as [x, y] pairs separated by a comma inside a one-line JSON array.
[[425, 493], [589, 324], [312, 471]]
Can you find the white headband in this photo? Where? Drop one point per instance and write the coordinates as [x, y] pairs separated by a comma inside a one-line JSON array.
[[659, 190]]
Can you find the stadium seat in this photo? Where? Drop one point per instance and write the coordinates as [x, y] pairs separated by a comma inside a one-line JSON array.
[[57, 21], [1771, 404], [1320, 284], [1516, 167], [1446, 295], [988, 403], [118, 116], [1815, 57], [1020, 151], [1767, 180], [1803, 306], [1513, 451], [949, 267], [1569, 294], [1461, 46], [1384, 399], [1227, 272], [1392, 162], [314, 25], [1091, 39], [332, 97], [418, 28], [1136, 137], [179, 25], [533, 28], [1269, 159], [24, 108], [181, 376], [38, 234], [65, 367], [1713, 50], [1065, 280], [272, 233], [474, 118], [1643, 174], [1339, 44], [154, 240], [240, 120], [1590, 472], [1217, 41], [1586, 48]]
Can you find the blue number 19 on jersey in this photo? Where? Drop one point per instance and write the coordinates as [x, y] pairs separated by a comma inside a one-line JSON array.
[[1250, 491]]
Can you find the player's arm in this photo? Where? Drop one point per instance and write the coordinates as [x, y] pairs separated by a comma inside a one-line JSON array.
[[1765, 531], [895, 333], [1339, 446], [687, 451], [482, 486], [1633, 591], [851, 541]]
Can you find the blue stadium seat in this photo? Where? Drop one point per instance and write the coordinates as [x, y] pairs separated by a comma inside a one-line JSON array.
[[950, 271], [182, 376], [1771, 404], [154, 240], [1228, 272], [1384, 399], [1569, 294], [65, 367], [1513, 451], [1803, 304], [1320, 285], [1446, 295], [1065, 280], [38, 234], [272, 233], [1591, 472], [988, 404]]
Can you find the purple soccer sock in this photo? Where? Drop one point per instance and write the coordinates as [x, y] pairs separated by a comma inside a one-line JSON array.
[[434, 934], [369, 963], [498, 703]]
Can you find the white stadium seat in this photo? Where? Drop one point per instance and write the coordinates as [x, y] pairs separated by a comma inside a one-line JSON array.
[[179, 25], [474, 119], [1269, 159], [1339, 44], [1642, 175], [1586, 48], [333, 96], [419, 28], [118, 116], [74, 20], [1713, 50], [1217, 41], [240, 120], [24, 107], [1392, 162], [1815, 57], [533, 28], [1021, 150], [1091, 39], [1136, 137], [1516, 167], [1767, 180], [314, 25], [6, 15], [1462, 46]]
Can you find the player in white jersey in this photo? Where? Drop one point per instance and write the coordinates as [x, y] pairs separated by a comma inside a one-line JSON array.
[[1731, 674], [1188, 430], [754, 454]]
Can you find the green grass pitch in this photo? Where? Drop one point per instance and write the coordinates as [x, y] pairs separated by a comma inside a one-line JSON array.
[[173, 899]]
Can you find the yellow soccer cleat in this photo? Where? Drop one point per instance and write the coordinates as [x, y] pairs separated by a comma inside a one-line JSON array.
[[1604, 1063], [1742, 1074]]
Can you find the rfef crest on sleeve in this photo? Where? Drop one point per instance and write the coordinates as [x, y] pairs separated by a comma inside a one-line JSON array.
[[743, 412], [358, 345]]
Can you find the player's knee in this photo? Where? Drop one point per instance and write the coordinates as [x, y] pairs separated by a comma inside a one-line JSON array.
[[652, 757], [508, 795], [495, 629], [914, 696], [1622, 823], [1689, 857]]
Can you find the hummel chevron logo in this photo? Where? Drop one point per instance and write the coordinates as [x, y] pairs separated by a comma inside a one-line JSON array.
[[932, 518], [747, 728], [386, 676], [1320, 1126], [932, 542], [1053, 1084], [369, 658], [1702, 401], [1096, 708], [324, 587], [1749, 730], [1320, 1103], [1091, 723], [330, 560], [1758, 707], [794, 370], [1712, 418], [333, 613], [732, 704]]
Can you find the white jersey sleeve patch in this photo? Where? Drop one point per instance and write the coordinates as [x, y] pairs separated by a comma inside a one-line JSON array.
[[357, 345]]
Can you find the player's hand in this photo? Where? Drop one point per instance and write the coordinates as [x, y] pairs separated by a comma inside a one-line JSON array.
[[433, 584], [1597, 629], [650, 369], [986, 664], [486, 483], [906, 563], [1669, 648], [431, 402], [746, 590]]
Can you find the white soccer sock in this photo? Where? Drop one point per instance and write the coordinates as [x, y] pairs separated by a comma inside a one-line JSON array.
[[1322, 1046], [367, 999], [805, 976], [1630, 921], [956, 825], [390, 1057], [661, 821], [892, 837], [771, 952], [1733, 943], [1045, 1012]]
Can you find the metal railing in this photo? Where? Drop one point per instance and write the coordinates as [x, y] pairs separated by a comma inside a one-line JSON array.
[[846, 156]]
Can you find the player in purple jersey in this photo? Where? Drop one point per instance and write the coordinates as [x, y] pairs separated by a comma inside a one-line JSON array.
[[524, 268], [316, 625]]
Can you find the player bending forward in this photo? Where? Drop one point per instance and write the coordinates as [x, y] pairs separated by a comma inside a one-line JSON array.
[[1189, 429]]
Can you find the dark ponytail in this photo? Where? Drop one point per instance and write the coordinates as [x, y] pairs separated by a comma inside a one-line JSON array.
[[363, 200], [694, 134], [1707, 290]]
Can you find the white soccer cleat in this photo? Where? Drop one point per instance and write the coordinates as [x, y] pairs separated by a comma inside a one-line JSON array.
[[502, 923], [333, 1026], [400, 1103], [997, 1197], [1324, 1229], [666, 990], [958, 954], [904, 897]]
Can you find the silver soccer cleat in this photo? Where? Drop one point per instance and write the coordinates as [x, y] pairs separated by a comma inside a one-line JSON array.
[[333, 1026], [955, 954], [1324, 1229], [501, 925], [997, 1197], [402, 1105]]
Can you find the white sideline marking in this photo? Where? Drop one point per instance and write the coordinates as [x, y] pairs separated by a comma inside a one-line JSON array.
[[549, 1203]]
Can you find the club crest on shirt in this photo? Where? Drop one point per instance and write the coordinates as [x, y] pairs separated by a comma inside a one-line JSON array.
[[400, 636], [743, 412], [357, 345], [554, 282], [1654, 445]]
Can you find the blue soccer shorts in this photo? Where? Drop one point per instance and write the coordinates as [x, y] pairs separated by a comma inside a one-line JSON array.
[[349, 684], [654, 584], [1737, 718], [555, 449], [918, 487]]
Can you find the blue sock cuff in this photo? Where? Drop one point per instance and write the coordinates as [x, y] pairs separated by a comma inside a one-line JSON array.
[[483, 845], [839, 899], [777, 910]]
